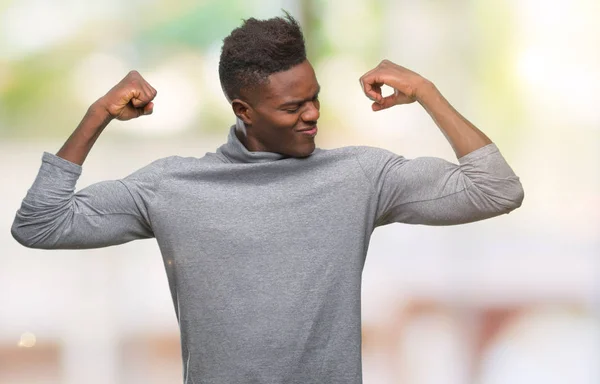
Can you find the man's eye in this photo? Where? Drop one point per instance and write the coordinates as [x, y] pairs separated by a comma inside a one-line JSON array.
[[292, 110]]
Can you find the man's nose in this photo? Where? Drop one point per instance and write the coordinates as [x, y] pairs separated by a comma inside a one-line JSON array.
[[312, 112]]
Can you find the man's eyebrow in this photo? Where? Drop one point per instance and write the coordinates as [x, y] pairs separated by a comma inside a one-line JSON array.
[[299, 102]]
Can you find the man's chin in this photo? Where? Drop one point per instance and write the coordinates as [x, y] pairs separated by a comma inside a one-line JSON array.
[[305, 151]]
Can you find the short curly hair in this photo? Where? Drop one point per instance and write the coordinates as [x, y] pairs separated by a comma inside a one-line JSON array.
[[258, 49]]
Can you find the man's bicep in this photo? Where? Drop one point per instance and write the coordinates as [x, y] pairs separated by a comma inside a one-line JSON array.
[[413, 185], [458, 208], [434, 191], [99, 215], [110, 213]]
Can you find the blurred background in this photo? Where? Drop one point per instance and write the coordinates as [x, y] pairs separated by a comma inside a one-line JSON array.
[[510, 300]]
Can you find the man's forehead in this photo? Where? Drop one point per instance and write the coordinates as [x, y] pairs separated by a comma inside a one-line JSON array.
[[298, 81]]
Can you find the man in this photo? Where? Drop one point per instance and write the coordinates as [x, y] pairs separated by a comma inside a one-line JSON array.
[[264, 240]]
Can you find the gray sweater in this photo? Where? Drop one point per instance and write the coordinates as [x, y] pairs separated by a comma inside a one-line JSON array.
[[264, 253]]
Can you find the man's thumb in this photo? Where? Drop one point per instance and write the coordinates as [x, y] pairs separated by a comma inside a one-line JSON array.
[[149, 108]]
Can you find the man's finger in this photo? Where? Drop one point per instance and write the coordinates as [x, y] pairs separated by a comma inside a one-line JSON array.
[[385, 103], [365, 76], [371, 88], [376, 107], [138, 102], [366, 81], [149, 91], [373, 92], [149, 108]]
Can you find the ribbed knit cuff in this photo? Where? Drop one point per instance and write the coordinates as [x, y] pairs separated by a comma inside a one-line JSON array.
[[61, 163]]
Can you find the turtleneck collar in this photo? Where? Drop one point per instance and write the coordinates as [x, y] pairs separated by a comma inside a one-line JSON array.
[[236, 152]]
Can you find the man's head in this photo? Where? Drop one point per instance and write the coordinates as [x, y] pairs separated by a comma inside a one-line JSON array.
[[271, 85]]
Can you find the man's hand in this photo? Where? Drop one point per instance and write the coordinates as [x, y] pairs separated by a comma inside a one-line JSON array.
[[406, 84], [130, 98], [410, 87]]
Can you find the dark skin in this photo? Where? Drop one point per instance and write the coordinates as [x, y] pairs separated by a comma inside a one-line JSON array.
[[409, 86], [275, 113], [129, 99]]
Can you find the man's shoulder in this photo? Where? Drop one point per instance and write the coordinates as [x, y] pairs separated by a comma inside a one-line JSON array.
[[361, 152], [176, 161], [163, 167]]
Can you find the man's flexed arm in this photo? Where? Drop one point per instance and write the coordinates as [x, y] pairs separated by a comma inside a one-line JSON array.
[[53, 216], [430, 190], [410, 87], [130, 98]]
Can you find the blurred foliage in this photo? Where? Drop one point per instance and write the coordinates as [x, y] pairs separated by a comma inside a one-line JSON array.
[[39, 99], [494, 73], [36, 97], [30, 96], [197, 27], [317, 43]]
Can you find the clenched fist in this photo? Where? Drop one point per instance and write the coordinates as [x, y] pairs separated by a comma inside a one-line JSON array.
[[130, 98], [406, 85]]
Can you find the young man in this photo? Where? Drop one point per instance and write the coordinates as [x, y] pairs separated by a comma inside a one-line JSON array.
[[264, 241]]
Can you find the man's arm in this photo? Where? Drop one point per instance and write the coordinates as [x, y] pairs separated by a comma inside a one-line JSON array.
[[53, 216], [409, 87], [433, 191], [129, 99], [430, 190]]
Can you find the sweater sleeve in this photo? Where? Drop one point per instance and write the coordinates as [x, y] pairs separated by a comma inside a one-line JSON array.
[[53, 216], [433, 191]]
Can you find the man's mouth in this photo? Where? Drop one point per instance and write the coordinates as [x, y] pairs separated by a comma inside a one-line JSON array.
[[310, 131]]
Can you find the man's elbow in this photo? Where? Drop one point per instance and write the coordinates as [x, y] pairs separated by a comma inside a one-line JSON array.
[[27, 236], [21, 236], [514, 195]]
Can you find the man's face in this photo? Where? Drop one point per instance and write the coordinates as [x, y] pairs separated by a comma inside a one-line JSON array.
[[282, 114]]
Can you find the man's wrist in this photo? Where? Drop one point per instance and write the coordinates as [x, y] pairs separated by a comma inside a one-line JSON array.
[[99, 112], [426, 92]]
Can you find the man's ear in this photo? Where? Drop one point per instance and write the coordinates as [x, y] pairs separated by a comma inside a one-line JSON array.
[[242, 110]]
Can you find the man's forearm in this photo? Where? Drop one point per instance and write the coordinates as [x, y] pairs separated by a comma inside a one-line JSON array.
[[462, 135], [130, 98], [79, 144]]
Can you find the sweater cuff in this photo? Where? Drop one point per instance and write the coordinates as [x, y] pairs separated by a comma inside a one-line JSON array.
[[61, 163], [479, 153]]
